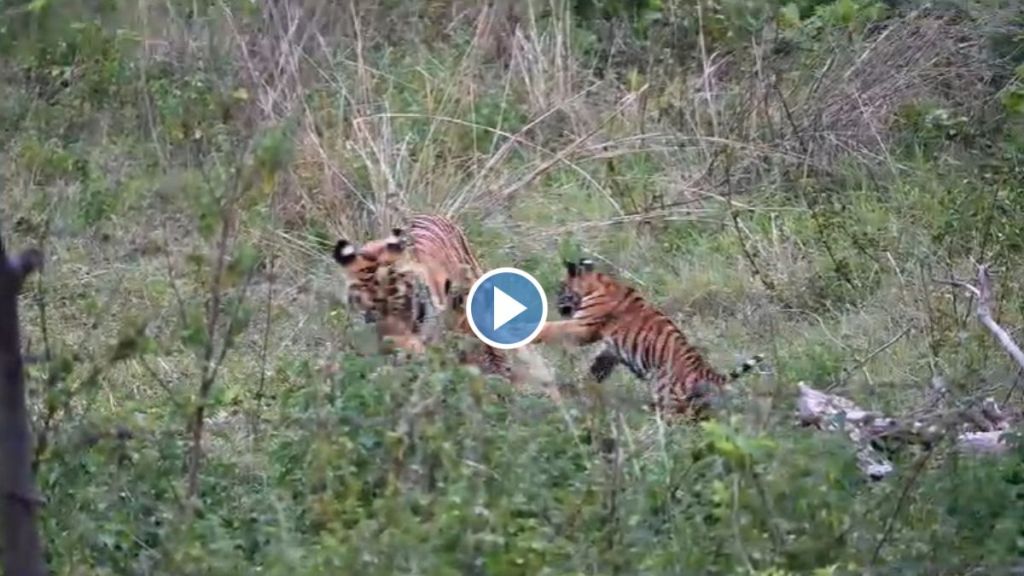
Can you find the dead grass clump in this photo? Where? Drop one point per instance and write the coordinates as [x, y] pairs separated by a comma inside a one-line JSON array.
[[925, 57]]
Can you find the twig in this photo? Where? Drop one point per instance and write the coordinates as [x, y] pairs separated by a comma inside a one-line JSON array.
[[209, 366], [565, 152], [207, 362], [172, 395], [767, 282], [42, 441], [861, 363], [264, 346], [891, 521]]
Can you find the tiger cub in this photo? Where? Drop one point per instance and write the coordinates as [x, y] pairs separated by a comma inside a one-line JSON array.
[[599, 307], [401, 283]]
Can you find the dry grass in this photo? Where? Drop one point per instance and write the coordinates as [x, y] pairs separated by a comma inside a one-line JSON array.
[[924, 58]]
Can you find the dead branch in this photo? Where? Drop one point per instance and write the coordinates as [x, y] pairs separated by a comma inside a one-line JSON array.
[[22, 549], [978, 429], [983, 293], [830, 412]]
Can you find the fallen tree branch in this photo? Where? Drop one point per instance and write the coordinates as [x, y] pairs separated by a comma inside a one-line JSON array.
[[22, 550], [979, 429], [983, 293], [830, 412], [983, 442]]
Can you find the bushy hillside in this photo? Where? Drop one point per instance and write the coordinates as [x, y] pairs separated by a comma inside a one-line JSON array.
[[792, 179]]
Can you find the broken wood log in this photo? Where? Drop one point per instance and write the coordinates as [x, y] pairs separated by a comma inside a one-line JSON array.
[[830, 412], [977, 430]]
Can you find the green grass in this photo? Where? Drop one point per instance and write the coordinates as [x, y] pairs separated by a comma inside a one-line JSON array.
[[323, 457]]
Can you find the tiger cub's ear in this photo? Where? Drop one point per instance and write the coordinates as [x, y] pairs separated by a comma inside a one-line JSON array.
[[396, 242], [344, 252], [571, 269], [587, 264]]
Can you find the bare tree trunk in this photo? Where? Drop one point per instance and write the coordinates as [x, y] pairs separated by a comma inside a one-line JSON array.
[[21, 548]]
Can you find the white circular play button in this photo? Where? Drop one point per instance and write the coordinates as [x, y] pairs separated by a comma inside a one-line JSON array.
[[506, 308]]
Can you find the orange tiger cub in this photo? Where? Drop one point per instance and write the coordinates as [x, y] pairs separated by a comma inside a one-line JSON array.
[[388, 289], [635, 333], [402, 282], [434, 243]]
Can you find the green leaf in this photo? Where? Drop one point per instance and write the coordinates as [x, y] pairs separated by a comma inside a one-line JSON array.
[[193, 334]]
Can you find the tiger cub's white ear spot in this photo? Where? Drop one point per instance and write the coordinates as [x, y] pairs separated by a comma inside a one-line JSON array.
[[344, 252], [396, 242]]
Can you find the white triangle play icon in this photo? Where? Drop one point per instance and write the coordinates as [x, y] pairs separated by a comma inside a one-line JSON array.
[[505, 308]]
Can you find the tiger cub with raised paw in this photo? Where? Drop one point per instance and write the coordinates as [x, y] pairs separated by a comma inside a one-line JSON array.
[[600, 308]]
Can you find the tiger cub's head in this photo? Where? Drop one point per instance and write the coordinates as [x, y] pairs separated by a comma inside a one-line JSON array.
[[361, 264], [578, 282]]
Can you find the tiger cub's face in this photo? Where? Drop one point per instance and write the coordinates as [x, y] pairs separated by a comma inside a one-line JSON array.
[[361, 264], [578, 277]]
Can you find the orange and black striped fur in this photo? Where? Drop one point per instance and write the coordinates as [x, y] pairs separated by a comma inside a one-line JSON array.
[[402, 282], [436, 244], [389, 291], [635, 333]]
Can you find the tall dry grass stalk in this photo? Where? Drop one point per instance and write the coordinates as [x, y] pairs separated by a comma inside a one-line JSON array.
[[401, 173]]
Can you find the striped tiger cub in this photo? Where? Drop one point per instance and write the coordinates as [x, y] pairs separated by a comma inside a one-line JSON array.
[[598, 307], [402, 284]]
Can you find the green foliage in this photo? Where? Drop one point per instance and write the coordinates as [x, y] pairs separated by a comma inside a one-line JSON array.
[[809, 21], [188, 192], [1013, 94]]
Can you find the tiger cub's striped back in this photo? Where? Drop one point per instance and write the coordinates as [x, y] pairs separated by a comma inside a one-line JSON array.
[[602, 309]]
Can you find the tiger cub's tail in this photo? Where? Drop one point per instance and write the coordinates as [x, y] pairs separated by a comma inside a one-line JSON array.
[[746, 366]]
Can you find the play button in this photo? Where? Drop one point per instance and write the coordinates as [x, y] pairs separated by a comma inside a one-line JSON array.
[[507, 308]]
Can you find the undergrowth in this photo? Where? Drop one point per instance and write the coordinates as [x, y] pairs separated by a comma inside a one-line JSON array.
[[782, 178]]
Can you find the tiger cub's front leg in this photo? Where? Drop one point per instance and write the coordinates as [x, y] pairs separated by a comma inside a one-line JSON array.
[[602, 366], [569, 331]]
